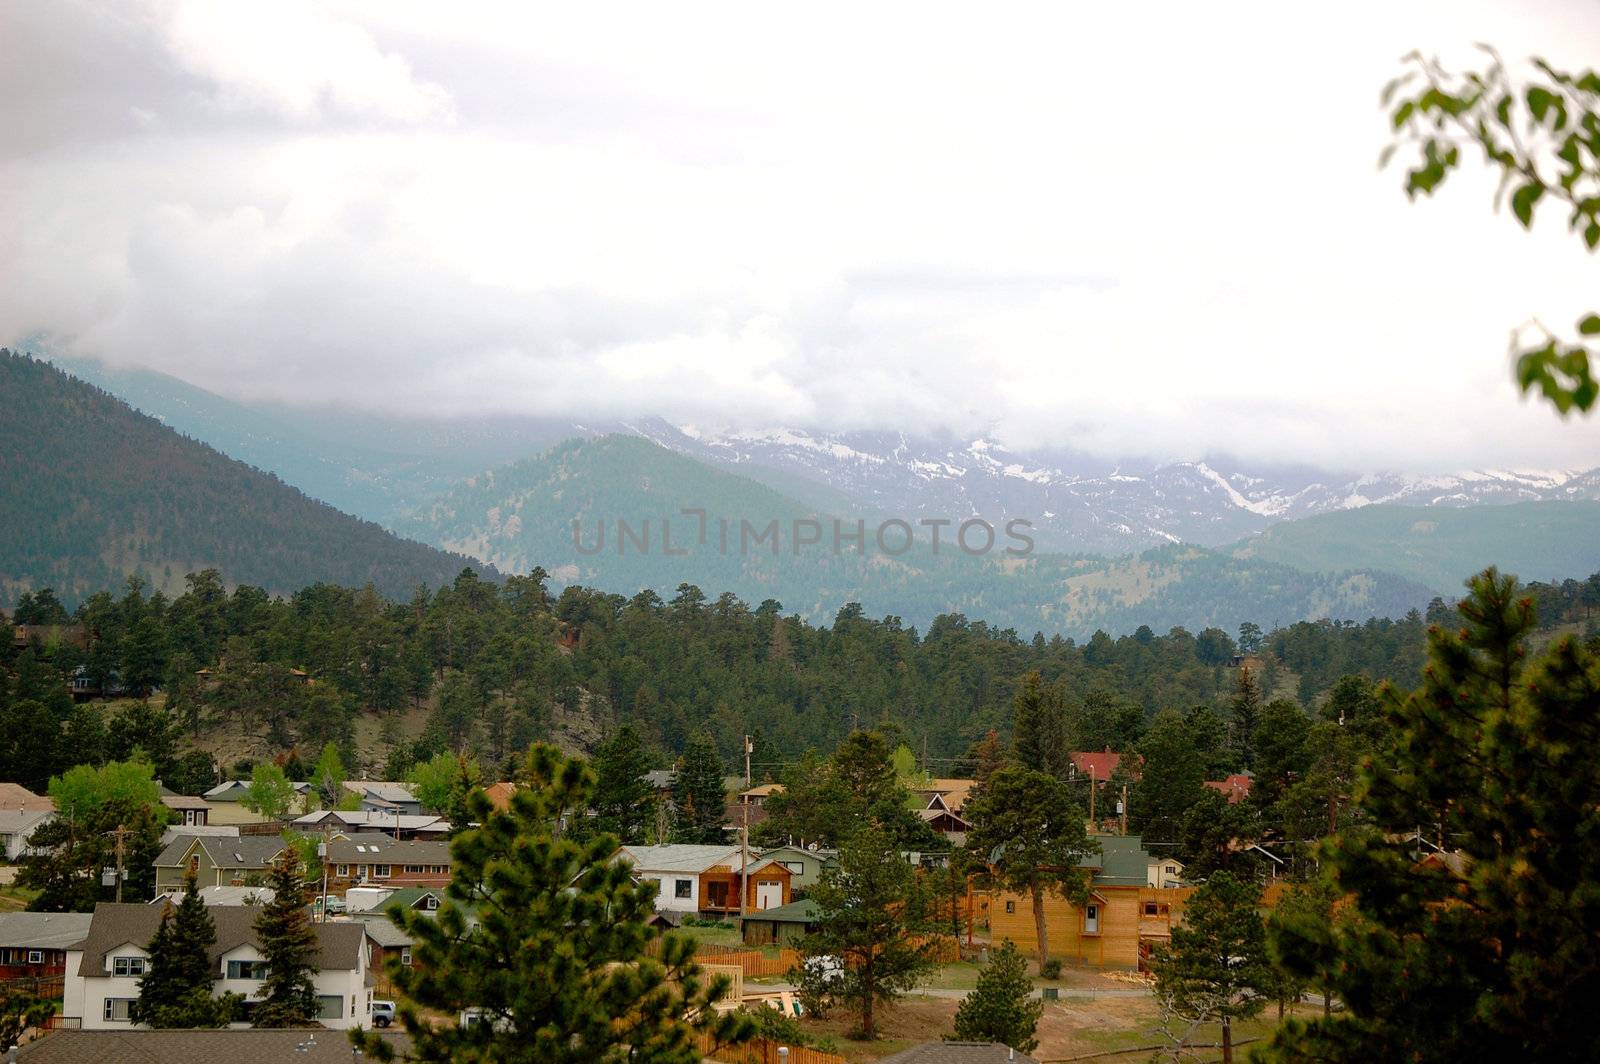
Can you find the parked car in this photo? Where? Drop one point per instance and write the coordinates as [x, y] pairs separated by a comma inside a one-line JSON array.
[[382, 1013]]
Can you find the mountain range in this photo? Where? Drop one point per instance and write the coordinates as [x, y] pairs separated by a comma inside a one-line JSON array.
[[1115, 545]]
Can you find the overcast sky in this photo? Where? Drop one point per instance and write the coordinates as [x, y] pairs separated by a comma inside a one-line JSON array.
[[1129, 228]]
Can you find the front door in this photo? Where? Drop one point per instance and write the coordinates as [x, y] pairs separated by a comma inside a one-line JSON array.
[[769, 895]]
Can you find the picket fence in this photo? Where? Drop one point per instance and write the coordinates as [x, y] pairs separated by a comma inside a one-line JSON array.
[[761, 1051]]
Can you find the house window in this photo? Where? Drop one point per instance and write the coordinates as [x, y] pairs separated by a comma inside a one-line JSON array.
[[247, 969], [1091, 919], [1172, 869], [430, 902], [361, 870], [683, 888], [117, 1009], [330, 1006], [127, 966], [1150, 908], [380, 871], [405, 956], [1011, 907], [797, 867], [194, 862], [36, 956], [415, 869], [343, 872]]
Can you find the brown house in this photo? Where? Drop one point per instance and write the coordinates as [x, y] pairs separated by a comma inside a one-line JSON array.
[[34, 945], [706, 879], [1120, 926], [373, 859]]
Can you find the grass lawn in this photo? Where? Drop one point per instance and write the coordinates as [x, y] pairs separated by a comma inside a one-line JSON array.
[[713, 936], [14, 898]]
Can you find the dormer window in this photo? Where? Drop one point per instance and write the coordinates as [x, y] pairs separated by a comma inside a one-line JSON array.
[[194, 862]]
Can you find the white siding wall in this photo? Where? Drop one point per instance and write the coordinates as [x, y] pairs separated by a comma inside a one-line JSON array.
[[667, 900]]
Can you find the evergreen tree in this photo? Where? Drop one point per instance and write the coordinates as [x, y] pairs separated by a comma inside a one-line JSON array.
[[1039, 727], [557, 957], [1028, 829], [1244, 711], [289, 945], [698, 796], [1002, 1008], [868, 915], [20, 1009], [176, 988], [1170, 777], [1215, 968], [624, 802], [1488, 954]]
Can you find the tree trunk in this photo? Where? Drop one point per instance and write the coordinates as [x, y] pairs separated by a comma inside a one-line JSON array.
[[867, 996], [1038, 924], [1227, 1041]]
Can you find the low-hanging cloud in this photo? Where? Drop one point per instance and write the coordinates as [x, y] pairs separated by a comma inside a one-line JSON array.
[[1128, 234]]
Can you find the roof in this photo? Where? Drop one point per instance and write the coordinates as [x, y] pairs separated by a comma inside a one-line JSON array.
[[243, 1046], [959, 1053], [410, 896], [680, 857], [803, 911], [233, 790], [1122, 861], [23, 821], [499, 794], [184, 801], [224, 895], [660, 778], [1236, 787], [761, 790], [368, 818], [116, 924], [368, 847], [42, 930], [383, 931], [218, 831], [388, 790], [1099, 764], [224, 851], [953, 791], [16, 796]]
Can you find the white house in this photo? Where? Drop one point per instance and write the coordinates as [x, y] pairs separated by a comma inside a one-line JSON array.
[[15, 827], [1164, 873], [103, 971]]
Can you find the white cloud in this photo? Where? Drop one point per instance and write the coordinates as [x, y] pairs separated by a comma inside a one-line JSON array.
[[1157, 231]]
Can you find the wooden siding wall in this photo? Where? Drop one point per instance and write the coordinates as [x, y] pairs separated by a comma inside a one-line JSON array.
[[1122, 924]]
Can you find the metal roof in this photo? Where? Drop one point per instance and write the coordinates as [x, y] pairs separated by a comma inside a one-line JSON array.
[[43, 930], [681, 857]]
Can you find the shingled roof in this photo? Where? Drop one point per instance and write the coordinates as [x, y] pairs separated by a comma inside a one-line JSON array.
[[42, 930], [251, 1046], [227, 851], [118, 924], [376, 848]]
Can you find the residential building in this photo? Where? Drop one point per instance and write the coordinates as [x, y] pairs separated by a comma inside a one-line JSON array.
[[103, 970], [1236, 788], [783, 926], [805, 864], [16, 796], [758, 794], [216, 831], [226, 802], [499, 794], [1164, 873], [1098, 765], [385, 796], [16, 827], [395, 825], [947, 794], [706, 879], [34, 945], [1120, 925], [661, 780], [216, 861], [190, 812], [264, 1046], [220, 896], [373, 859]]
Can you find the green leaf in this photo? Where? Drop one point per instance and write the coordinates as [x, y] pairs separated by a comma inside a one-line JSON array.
[[1502, 111], [1591, 235], [1590, 326], [1539, 101], [1522, 201], [1403, 112]]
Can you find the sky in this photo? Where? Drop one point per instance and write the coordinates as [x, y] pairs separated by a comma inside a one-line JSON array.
[[1142, 229]]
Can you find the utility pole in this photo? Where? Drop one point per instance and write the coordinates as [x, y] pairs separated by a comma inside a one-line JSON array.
[[121, 835], [322, 853], [744, 836], [1092, 789], [1124, 808]]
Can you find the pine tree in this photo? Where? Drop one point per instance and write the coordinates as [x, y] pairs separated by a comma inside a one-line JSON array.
[[1245, 712], [176, 989], [1028, 829], [1215, 968], [289, 945], [698, 795], [559, 958], [1002, 1008], [623, 798], [868, 913], [1487, 955], [1039, 727]]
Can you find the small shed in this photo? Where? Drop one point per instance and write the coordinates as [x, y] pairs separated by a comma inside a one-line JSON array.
[[783, 926]]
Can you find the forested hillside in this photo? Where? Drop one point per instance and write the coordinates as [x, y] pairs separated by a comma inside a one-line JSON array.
[[95, 492]]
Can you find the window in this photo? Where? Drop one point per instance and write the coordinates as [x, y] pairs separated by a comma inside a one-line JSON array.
[[247, 969], [361, 870], [117, 1009], [1011, 907], [1172, 869], [380, 871], [36, 956], [194, 862], [343, 871], [1091, 919], [126, 966], [330, 1006], [430, 902], [683, 888], [1150, 908], [797, 867], [405, 956], [415, 869]]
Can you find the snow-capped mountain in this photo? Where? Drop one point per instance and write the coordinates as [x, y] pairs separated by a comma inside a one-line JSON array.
[[1078, 503]]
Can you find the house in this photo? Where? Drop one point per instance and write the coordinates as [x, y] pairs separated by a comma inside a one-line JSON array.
[[395, 825], [383, 796], [16, 826], [783, 926], [499, 794], [372, 858], [1120, 925], [217, 861], [1236, 788], [419, 899], [226, 805], [217, 831], [389, 942], [946, 823], [263, 1046], [1098, 765], [705, 879], [220, 896], [190, 812], [16, 796], [86, 686], [661, 781], [758, 794], [1164, 873], [34, 945], [947, 794], [805, 864], [959, 1053], [103, 970]]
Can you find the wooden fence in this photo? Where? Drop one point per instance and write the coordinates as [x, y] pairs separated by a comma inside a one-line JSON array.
[[764, 1052], [41, 986], [754, 962]]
